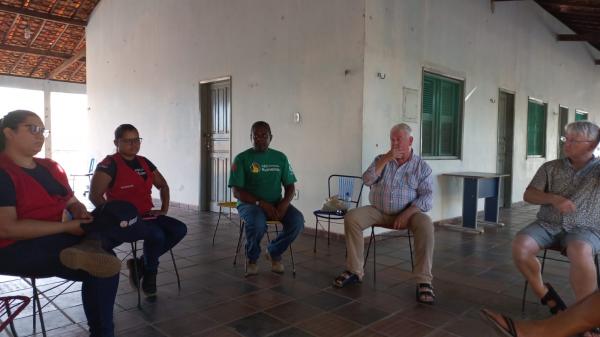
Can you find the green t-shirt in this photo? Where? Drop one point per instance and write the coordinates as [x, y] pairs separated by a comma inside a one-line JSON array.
[[262, 173]]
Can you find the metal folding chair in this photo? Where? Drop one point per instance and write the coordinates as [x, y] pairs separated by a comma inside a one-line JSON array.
[[10, 308], [400, 234], [37, 306], [224, 204], [274, 223], [89, 175], [545, 257], [133, 253], [348, 189]]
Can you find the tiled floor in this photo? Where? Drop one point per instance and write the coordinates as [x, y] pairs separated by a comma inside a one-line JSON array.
[[471, 271]]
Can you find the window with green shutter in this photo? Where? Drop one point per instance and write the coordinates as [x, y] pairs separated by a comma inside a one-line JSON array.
[[581, 115], [441, 121], [536, 129]]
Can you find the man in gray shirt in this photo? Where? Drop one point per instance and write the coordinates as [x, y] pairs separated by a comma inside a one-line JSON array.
[[568, 191]]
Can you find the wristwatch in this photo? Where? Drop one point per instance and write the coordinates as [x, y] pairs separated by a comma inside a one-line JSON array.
[[257, 202]]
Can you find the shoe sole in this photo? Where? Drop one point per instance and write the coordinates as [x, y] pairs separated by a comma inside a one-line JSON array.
[[96, 264]]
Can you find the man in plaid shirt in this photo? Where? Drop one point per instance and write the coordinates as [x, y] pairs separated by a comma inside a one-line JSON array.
[[401, 193]]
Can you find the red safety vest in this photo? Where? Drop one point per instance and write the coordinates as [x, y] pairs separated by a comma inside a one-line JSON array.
[[130, 186], [33, 201]]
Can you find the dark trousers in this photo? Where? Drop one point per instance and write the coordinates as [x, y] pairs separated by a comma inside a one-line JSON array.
[[39, 258], [163, 233]]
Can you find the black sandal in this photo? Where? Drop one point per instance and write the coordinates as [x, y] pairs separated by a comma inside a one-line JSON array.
[[553, 296], [427, 292], [346, 278]]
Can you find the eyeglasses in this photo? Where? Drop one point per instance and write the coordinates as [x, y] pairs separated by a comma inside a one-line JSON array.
[[37, 130], [130, 141], [565, 140]]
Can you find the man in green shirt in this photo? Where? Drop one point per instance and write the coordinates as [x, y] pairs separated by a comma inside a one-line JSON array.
[[257, 175]]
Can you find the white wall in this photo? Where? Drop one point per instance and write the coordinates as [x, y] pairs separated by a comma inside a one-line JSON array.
[[513, 48], [146, 59]]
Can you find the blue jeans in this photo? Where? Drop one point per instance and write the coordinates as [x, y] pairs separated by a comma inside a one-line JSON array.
[[163, 233], [255, 226], [39, 258]]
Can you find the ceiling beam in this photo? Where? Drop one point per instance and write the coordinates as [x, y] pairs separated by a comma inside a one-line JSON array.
[[34, 51], [59, 36], [12, 26], [81, 64], [80, 54], [43, 16], [594, 38], [12, 69], [32, 40]]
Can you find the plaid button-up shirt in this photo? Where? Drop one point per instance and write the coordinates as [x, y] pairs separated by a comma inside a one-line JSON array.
[[400, 186], [581, 187]]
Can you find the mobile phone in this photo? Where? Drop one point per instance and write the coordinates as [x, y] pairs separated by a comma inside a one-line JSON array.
[[149, 216]]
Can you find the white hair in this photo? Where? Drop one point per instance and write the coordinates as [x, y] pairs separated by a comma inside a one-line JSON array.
[[401, 127], [585, 128]]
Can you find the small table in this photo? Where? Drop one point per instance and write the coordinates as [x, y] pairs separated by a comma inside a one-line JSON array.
[[479, 185]]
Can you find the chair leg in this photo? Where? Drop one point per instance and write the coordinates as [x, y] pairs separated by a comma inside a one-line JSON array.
[[36, 299], [524, 297], [217, 226], [316, 231], [368, 247], [176, 270], [293, 265], [237, 249], [412, 264], [328, 230], [135, 266], [374, 256], [11, 324]]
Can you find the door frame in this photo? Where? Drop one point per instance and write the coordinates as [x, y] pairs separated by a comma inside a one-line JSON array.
[[507, 198], [203, 86], [559, 144]]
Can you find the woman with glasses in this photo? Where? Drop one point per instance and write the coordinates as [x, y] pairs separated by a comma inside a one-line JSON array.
[[34, 239], [129, 177]]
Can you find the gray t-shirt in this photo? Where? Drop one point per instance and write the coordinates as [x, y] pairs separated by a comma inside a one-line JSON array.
[[581, 187]]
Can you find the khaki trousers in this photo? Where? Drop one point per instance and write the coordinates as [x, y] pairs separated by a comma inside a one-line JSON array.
[[420, 225]]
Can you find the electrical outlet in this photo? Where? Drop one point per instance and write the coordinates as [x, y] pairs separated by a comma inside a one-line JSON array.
[[296, 194]]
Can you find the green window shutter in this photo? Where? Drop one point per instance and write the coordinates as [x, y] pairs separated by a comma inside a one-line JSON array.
[[448, 117], [580, 116], [536, 129], [427, 120], [441, 116]]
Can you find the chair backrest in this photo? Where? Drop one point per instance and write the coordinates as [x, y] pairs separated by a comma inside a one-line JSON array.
[[10, 307], [91, 168], [347, 188]]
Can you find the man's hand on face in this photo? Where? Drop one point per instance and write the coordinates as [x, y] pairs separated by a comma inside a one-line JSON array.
[[395, 154]]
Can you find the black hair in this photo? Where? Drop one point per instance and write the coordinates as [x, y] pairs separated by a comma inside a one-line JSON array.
[[260, 124], [121, 129], [12, 121]]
